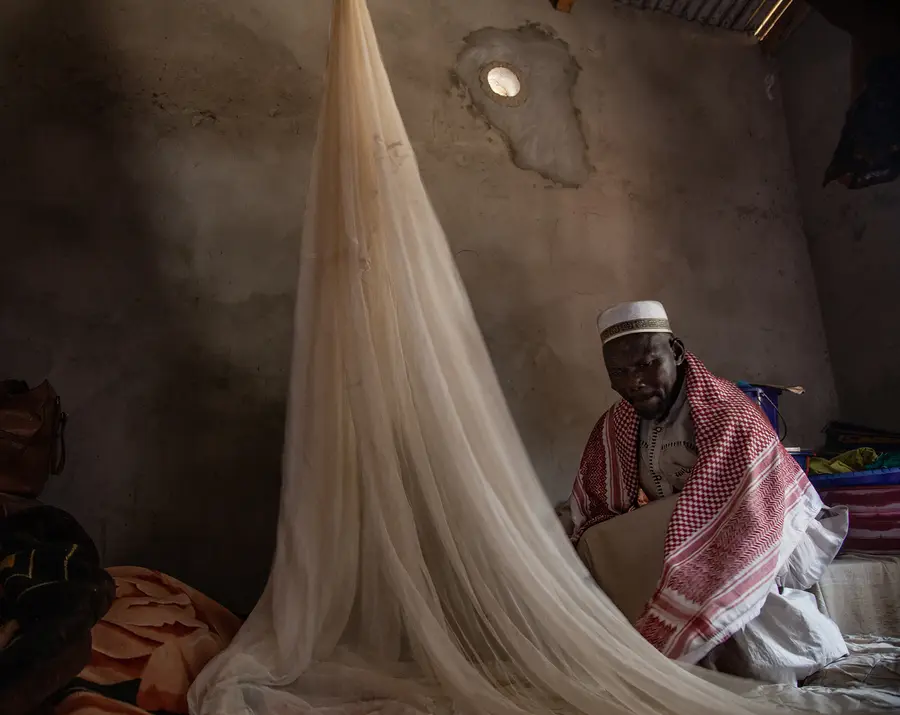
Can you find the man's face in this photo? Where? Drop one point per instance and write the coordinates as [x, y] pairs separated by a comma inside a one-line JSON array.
[[643, 369]]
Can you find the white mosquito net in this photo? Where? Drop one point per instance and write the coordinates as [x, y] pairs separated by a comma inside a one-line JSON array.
[[419, 565]]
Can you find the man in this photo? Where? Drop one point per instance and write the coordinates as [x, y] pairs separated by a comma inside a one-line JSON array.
[[52, 592], [748, 535]]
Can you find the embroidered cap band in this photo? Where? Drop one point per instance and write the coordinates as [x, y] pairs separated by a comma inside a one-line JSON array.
[[646, 316]]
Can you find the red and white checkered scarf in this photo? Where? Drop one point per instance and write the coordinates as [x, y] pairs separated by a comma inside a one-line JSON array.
[[743, 510]]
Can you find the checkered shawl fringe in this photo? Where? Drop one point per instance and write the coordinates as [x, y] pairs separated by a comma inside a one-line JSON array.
[[728, 536]]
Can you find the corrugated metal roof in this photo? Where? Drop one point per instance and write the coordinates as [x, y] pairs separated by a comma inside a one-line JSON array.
[[755, 16]]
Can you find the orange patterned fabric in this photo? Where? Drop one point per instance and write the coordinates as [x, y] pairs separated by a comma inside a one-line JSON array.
[[148, 649]]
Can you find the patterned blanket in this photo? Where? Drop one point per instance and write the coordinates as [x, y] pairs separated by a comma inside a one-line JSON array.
[[874, 516], [148, 649], [744, 509]]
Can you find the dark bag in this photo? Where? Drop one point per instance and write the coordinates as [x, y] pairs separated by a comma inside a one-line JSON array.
[[32, 444], [868, 152]]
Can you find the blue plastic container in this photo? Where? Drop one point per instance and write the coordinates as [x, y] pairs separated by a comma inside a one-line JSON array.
[[869, 478], [802, 457], [766, 398]]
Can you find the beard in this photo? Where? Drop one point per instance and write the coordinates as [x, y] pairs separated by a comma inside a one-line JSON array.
[[652, 408]]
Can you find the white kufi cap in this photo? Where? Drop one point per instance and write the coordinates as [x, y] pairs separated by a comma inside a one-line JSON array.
[[643, 316]]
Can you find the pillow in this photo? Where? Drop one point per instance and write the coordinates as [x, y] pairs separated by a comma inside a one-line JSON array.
[[625, 555]]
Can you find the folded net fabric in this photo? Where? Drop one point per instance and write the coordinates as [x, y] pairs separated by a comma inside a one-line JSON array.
[[419, 566]]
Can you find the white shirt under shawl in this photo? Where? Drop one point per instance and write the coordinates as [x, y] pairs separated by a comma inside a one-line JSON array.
[[667, 451]]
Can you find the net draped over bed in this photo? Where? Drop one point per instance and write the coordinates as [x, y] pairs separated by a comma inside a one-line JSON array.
[[419, 566]]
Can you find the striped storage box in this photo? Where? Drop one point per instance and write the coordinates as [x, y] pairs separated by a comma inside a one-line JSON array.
[[874, 504]]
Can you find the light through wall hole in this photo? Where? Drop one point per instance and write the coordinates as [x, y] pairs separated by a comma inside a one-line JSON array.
[[504, 82]]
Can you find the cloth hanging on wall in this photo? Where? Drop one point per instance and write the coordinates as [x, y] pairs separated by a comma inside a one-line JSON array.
[[419, 566]]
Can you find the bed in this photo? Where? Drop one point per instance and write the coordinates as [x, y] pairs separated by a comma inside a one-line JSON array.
[[860, 592], [866, 681]]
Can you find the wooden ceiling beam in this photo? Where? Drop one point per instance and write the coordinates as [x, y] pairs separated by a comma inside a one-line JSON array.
[[779, 33]]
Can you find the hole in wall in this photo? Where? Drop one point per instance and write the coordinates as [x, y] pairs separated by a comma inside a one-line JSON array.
[[540, 124], [504, 82]]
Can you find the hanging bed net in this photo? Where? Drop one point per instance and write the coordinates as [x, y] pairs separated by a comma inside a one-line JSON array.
[[419, 566]]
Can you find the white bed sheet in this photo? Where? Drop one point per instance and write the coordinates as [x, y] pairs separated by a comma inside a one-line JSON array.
[[861, 593], [866, 681]]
